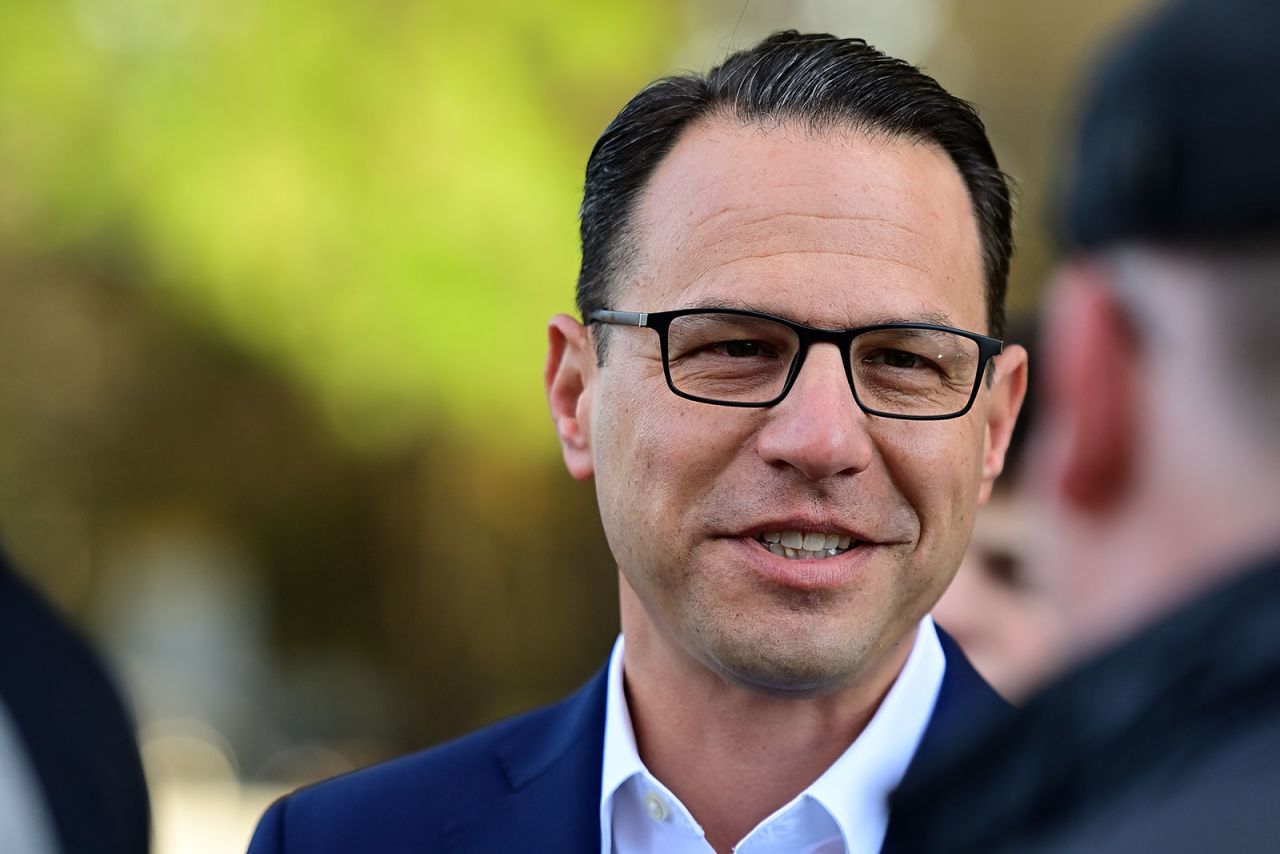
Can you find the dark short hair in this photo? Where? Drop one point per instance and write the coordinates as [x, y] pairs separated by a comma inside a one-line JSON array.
[[818, 79]]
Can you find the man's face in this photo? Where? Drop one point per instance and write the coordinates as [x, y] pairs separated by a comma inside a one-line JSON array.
[[832, 231]]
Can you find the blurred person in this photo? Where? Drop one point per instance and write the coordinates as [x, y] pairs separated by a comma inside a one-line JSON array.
[[71, 777], [997, 608], [783, 516], [1157, 469]]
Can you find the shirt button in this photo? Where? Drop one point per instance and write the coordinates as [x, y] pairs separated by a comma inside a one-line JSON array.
[[655, 806]]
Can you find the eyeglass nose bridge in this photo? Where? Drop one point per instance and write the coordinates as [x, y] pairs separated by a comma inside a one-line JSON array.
[[842, 339]]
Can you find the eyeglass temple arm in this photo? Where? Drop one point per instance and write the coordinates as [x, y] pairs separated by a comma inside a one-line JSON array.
[[625, 318]]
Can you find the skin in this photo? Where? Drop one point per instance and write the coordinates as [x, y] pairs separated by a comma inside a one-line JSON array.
[[1150, 476], [747, 675], [1003, 619]]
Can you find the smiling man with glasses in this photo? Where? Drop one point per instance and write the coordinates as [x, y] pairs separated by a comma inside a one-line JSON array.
[[787, 473]]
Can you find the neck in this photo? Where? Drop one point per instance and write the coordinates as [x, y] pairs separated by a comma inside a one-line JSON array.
[[732, 755], [1187, 531]]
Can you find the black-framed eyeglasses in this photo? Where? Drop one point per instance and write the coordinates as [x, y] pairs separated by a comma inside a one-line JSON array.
[[736, 357]]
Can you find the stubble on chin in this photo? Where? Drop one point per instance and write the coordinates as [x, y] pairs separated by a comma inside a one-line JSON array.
[[797, 648]]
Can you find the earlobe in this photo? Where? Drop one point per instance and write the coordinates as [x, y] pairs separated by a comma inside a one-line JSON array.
[[568, 378], [1008, 389]]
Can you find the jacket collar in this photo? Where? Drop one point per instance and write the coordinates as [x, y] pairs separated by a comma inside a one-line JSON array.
[[552, 762], [966, 704]]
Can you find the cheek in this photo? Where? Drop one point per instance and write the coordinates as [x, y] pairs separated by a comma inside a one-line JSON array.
[[657, 458], [623, 448], [937, 467]]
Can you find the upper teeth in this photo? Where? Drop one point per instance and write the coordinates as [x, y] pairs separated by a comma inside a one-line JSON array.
[[805, 544]]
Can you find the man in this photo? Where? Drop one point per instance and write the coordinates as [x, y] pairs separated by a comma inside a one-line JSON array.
[[70, 774], [789, 401], [1157, 471]]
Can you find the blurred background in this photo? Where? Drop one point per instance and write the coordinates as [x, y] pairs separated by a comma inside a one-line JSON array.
[[274, 279]]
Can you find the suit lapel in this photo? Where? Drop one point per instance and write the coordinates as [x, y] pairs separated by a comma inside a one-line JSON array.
[[965, 700], [552, 764], [965, 703]]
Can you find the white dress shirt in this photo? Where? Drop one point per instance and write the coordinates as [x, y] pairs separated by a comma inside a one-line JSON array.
[[843, 811]]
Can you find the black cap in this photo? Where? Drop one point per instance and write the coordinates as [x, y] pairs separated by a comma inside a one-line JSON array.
[[1179, 138]]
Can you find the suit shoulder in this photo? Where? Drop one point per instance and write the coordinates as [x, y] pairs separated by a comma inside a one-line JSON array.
[[427, 781], [410, 802]]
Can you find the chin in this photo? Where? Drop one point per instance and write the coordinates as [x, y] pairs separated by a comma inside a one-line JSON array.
[[789, 669]]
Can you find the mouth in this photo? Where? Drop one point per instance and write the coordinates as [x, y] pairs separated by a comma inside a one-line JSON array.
[[806, 545]]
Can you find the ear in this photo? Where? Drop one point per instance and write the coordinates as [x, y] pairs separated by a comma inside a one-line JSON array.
[[1008, 388], [1092, 390], [571, 366]]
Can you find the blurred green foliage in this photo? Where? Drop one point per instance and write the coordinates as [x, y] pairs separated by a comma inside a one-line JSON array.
[[377, 198]]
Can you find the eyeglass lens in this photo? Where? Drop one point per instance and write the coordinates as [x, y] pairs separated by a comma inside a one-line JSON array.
[[741, 359]]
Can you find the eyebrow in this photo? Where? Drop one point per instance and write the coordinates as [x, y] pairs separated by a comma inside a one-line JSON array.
[[936, 318]]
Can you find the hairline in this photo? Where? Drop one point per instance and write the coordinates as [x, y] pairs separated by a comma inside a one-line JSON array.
[[625, 248]]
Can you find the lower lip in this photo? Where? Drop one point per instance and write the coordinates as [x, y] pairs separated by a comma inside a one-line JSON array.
[[805, 573]]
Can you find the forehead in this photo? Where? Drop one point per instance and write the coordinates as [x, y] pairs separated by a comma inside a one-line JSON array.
[[835, 229]]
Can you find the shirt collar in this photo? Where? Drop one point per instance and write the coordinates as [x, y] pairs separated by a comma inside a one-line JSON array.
[[855, 789], [621, 756]]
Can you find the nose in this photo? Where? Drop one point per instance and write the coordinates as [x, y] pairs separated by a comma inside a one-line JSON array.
[[818, 428]]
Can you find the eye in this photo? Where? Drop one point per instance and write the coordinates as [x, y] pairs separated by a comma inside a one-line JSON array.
[[896, 359], [742, 349], [1005, 569]]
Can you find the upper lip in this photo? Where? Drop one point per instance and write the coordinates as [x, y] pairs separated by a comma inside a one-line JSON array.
[[805, 525]]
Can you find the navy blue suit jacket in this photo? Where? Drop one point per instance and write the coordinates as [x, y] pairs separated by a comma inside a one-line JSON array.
[[531, 783]]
